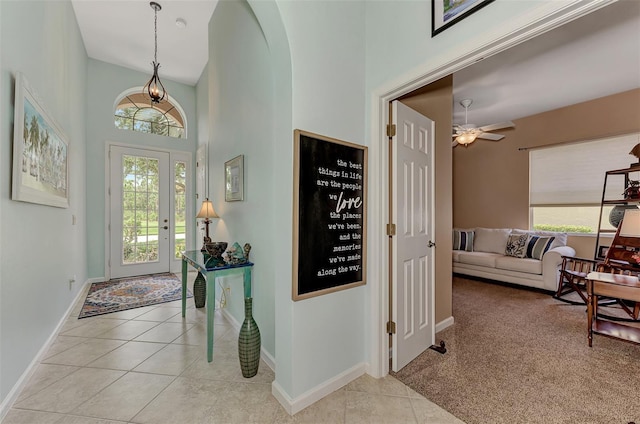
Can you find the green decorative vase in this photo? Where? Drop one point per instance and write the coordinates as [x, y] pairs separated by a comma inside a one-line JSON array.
[[200, 290], [617, 213], [249, 342]]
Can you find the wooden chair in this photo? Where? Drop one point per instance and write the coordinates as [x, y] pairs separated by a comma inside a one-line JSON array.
[[573, 277]]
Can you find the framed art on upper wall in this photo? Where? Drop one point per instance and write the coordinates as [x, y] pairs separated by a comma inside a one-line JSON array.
[[40, 152], [234, 179], [445, 13]]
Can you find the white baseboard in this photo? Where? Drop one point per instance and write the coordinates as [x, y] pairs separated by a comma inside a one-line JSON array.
[[13, 394], [95, 280], [293, 406], [445, 323], [234, 322]]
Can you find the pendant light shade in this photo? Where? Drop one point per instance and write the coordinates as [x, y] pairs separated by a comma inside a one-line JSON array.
[[154, 88]]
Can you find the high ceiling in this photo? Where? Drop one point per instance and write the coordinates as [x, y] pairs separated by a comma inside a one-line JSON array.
[[121, 32], [591, 57]]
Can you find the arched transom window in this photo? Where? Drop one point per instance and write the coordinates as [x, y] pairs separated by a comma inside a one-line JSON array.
[[136, 113]]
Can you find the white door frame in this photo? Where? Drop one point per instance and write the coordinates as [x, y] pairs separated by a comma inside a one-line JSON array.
[[175, 264], [545, 18]]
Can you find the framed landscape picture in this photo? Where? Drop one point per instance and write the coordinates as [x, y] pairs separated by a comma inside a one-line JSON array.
[[445, 13], [40, 152], [234, 179]]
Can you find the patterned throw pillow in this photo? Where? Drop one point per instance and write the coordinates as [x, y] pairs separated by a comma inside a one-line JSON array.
[[537, 246], [463, 240], [516, 245]]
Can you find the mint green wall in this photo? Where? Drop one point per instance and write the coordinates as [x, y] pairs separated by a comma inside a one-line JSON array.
[[105, 84], [241, 119], [41, 248], [327, 44], [320, 338]]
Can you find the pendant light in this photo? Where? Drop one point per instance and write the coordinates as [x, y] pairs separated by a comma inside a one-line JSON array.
[[154, 88]]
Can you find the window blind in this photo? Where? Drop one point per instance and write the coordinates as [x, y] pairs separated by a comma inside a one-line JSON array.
[[573, 174]]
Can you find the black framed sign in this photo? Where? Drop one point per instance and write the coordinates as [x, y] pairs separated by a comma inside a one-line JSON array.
[[329, 216], [445, 13]]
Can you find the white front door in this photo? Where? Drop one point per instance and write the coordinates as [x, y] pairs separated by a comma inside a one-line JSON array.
[[140, 220], [412, 256]]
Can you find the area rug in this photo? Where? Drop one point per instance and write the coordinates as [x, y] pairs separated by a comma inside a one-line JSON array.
[[521, 356], [129, 293]]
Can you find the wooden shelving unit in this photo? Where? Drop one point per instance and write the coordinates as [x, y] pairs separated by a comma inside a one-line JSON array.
[[622, 184]]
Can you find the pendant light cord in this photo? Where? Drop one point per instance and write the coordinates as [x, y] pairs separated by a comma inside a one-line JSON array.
[[155, 28]]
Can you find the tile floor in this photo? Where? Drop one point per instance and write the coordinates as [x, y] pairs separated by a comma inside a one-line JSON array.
[[148, 365]]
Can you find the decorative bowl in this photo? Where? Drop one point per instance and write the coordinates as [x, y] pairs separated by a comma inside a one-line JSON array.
[[216, 248]]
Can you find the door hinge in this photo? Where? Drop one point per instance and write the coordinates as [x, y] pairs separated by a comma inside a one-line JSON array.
[[391, 229], [391, 327], [391, 130]]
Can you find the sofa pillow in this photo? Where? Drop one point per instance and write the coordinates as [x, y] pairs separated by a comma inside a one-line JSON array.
[[537, 246], [560, 238], [492, 240], [516, 244], [463, 240]]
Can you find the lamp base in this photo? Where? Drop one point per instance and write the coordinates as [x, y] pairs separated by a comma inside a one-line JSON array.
[[207, 240]]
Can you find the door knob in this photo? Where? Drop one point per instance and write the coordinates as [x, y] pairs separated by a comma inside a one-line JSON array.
[[431, 244]]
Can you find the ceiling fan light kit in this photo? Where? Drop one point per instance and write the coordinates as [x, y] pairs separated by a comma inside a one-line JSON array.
[[465, 138], [467, 133]]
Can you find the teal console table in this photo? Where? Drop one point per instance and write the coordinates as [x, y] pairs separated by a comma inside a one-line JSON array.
[[211, 268]]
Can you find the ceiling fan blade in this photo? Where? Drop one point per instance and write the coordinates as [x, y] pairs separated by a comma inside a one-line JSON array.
[[490, 136], [499, 126]]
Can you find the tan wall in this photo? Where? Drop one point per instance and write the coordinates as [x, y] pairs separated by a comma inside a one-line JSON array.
[[585, 244], [434, 101], [491, 179]]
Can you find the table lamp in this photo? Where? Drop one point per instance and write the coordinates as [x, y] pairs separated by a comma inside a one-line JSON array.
[[206, 212], [631, 223]]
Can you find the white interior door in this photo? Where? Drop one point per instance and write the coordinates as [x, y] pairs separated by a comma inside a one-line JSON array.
[[140, 217], [412, 255]]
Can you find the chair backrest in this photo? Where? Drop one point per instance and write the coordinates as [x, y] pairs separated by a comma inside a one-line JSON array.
[[616, 269], [577, 265]]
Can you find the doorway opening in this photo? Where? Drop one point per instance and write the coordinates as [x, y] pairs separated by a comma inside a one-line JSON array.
[[380, 198]]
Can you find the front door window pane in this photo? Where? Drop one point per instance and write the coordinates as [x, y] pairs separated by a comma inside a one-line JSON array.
[[180, 203], [140, 190]]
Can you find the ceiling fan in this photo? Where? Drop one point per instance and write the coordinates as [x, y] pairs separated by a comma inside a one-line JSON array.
[[467, 133]]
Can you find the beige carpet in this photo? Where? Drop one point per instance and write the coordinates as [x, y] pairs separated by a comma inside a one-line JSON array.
[[520, 356]]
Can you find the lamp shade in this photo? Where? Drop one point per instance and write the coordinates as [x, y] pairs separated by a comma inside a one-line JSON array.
[[631, 223], [207, 211], [466, 138]]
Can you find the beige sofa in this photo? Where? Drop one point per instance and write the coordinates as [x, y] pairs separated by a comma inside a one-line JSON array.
[[499, 254]]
